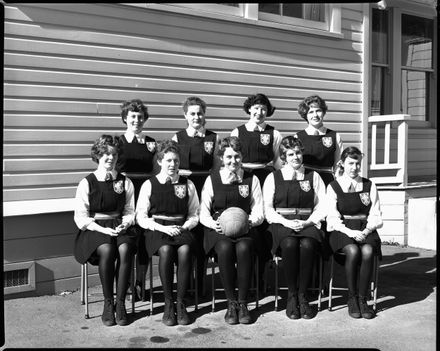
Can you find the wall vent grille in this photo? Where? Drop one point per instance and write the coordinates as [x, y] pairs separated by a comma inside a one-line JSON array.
[[18, 277]]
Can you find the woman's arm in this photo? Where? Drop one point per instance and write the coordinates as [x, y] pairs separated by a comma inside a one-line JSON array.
[[256, 217], [205, 205], [192, 218]]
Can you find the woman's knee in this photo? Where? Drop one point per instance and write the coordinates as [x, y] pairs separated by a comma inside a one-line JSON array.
[[367, 251], [351, 250], [290, 243], [166, 251], [107, 251], [309, 244]]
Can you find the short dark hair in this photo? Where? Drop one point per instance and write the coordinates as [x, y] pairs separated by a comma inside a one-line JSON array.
[[194, 100], [135, 105], [103, 145], [164, 146], [304, 106], [352, 152], [230, 141], [259, 99], [289, 142]]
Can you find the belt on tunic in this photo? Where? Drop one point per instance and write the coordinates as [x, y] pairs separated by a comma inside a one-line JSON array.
[[256, 165], [169, 218], [293, 211], [358, 216], [187, 172], [137, 175], [106, 215], [319, 168]]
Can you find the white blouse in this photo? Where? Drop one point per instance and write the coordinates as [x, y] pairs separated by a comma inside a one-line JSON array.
[[81, 212], [257, 213], [318, 213], [143, 204], [334, 218]]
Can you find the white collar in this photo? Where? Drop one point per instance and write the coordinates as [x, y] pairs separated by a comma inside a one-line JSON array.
[[289, 171], [130, 135], [310, 130], [100, 173], [192, 131], [224, 173], [345, 181], [162, 178], [250, 126]]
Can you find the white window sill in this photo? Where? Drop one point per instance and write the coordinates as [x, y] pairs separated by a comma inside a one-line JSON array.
[[232, 18], [34, 207]]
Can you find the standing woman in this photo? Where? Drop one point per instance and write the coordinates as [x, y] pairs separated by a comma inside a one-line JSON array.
[[353, 216], [104, 212], [294, 206], [322, 146], [260, 149], [168, 209], [198, 147], [136, 161], [228, 187]]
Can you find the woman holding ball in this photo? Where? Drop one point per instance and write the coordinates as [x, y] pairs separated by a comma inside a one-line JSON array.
[[229, 187]]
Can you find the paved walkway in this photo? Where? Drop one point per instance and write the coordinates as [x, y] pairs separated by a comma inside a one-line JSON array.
[[406, 319]]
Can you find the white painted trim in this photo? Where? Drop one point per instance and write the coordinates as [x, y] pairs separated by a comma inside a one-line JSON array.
[[366, 78], [33, 207]]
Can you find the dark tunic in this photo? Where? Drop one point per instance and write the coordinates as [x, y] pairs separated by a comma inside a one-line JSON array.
[[137, 158], [319, 151], [257, 147], [351, 204], [225, 196], [103, 197], [169, 200], [290, 194]]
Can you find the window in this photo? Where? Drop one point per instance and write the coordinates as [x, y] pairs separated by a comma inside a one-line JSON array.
[[234, 9], [402, 65]]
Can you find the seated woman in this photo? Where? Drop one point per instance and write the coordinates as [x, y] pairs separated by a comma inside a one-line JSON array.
[[104, 212], [353, 217], [136, 161], [232, 187], [294, 207], [167, 208]]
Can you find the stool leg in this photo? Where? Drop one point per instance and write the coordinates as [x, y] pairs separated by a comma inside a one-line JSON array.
[[82, 284], [151, 286], [132, 285], [86, 290], [212, 287], [330, 287], [320, 283], [276, 284], [376, 277], [196, 307]]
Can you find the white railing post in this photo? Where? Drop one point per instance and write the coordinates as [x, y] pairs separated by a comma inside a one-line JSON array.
[[401, 166]]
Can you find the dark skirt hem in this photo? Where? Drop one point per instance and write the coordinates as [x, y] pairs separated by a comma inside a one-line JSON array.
[[154, 240], [280, 232]]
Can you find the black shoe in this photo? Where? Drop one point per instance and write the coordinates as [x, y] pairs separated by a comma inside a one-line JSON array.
[[353, 306], [231, 316], [182, 315], [366, 311], [108, 314], [169, 314], [244, 317], [121, 313], [292, 310], [306, 311]]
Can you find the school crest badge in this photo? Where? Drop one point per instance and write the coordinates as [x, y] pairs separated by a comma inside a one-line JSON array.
[[243, 190], [151, 146], [180, 190], [118, 186], [327, 141], [305, 185], [209, 146], [265, 139], [365, 198]]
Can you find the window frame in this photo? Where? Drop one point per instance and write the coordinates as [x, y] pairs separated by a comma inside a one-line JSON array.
[[393, 102]]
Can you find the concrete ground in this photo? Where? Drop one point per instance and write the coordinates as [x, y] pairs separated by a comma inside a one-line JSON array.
[[406, 318]]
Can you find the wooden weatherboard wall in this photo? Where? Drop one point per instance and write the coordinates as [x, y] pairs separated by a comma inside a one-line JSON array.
[[68, 67]]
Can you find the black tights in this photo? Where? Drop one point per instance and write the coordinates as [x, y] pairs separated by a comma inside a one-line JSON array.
[[108, 254], [298, 256], [356, 255], [168, 255], [229, 253]]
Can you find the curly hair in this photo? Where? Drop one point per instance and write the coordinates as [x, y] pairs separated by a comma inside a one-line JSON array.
[[105, 144], [258, 99], [288, 143], [164, 146], [304, 106], [194, 100], [232, 142], [135, 105]]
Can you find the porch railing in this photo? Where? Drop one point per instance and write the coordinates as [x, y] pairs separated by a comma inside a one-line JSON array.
[[401, 166]]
